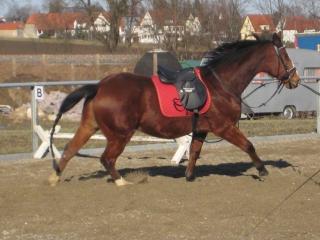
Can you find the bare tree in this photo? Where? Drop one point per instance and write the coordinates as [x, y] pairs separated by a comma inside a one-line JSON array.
[[312, 8], [157, 4], [223, 20], [135, 8], [90, 8], [16, 12], [118, 9], [54, 5], [278, 9]]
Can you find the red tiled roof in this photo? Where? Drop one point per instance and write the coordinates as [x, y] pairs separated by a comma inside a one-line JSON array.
[[11, 25], [301, 23], [55, 21], [257, 20]]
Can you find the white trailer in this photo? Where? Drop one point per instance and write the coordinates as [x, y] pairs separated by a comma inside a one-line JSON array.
[[288, 101]]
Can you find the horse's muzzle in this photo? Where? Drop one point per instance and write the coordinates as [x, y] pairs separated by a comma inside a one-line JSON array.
[[291, 79]]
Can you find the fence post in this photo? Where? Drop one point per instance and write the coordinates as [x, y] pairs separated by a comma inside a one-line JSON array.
[[318, 108], [34, 119]]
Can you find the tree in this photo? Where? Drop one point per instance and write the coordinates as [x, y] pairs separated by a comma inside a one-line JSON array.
[[90, 9], [118, 9], [223, 20], [16, 12], [312, 8], [278, 9], [135, 8], [157, 4], [54, 5]]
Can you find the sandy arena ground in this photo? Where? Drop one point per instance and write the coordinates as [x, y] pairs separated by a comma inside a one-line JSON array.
[[226, 201]]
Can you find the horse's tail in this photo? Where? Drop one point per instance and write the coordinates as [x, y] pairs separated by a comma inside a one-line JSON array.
[[87, 92]]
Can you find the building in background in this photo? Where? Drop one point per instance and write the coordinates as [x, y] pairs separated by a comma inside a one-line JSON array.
[[256, 23], [292, 25], [156, 26], [309, 41], [51, 24], [11, 29]]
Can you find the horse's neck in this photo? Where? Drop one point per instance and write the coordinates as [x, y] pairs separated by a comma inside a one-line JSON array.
[[237, 75]]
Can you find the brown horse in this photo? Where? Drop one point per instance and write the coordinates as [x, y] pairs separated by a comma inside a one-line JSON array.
[[123, 103]]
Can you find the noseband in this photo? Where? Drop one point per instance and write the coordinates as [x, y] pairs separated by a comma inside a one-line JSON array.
[[289, 71]]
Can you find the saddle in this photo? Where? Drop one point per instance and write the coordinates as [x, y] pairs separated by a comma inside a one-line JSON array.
[[191, 89]]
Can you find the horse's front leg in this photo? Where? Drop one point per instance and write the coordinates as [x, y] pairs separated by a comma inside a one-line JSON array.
[[233, 135], [195, 149]]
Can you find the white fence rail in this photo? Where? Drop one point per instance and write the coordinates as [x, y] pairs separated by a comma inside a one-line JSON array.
[[39, 132]]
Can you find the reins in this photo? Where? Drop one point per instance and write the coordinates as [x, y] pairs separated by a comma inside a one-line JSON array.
[[268, 214], [310, 89], [277, 91]]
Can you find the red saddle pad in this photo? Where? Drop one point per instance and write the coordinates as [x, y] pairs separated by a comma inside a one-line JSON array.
[[169, 101]]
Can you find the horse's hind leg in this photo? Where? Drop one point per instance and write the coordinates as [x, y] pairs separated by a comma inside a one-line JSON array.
[[195, 149], [86, 129], [233, 135], [115, 147]]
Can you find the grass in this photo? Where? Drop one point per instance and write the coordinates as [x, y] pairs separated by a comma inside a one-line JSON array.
[[17, 138]]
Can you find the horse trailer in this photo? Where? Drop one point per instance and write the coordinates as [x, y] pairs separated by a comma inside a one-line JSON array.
[[288, 101]]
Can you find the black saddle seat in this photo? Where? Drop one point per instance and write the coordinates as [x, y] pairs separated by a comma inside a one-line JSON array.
[[192, 92], [171, 77]]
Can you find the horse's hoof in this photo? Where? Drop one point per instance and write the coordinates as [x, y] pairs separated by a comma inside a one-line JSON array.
[[53, 179], [190, 178], [263, 171], [122, 182]]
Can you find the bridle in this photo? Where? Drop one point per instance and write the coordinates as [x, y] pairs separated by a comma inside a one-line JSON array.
[[289, 71]]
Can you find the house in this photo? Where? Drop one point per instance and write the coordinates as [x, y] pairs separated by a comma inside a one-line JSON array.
[[82, 24], [149, 30], [157, 26], [292, 25], [193, 25], [256, 23], [11, 29], [76, 24], [51, 24]]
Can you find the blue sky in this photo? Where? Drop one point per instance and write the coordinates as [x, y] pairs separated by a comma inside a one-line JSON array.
[[37, 3], [4, 5]]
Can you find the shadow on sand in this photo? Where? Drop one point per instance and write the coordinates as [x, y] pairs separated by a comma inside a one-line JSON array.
[[225, 169]]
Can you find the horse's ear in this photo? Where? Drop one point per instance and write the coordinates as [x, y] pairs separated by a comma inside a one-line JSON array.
[[276, 38]]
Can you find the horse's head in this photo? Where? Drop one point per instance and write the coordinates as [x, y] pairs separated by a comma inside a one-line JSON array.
[[284, 69]]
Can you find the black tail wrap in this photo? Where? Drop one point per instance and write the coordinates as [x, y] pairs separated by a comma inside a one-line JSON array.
[[87, 92]]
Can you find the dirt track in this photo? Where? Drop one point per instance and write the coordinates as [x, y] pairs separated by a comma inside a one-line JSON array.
[[225, 202]]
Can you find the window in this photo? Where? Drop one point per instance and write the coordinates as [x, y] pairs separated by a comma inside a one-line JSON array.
[[265, 27]]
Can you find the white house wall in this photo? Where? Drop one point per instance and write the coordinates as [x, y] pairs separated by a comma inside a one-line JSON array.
[[289, 35], [102, 24]]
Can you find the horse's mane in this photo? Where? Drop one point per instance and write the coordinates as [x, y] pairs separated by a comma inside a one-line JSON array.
[[230, 51]]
